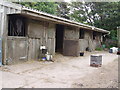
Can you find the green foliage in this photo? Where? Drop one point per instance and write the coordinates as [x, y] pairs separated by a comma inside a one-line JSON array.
[[103, 15], [108, 15], [110, 46], [78, 12], [48, 7], [113, 34], [63, 9], [98, 49]]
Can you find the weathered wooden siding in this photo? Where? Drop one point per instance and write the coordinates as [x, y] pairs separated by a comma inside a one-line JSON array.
[[35, 29], [34, 51], [5, 9], [89, 42], [86, 42], [71, 48], [71, 33], [97, 41], [71, 44], [50, 32], [40, 33], [17, 50], [83, 44]]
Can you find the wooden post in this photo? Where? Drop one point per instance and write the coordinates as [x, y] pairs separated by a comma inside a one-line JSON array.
[[118, 35]]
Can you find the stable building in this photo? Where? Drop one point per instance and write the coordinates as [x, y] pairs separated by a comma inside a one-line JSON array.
[[24, 30]]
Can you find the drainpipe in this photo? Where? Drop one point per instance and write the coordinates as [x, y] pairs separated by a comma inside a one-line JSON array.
[[105, 36]]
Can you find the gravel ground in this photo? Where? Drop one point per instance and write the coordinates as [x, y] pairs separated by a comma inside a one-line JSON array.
[[64, 72], [104, 77]]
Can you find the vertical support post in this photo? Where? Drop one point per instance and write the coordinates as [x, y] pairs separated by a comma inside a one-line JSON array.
[[118, 35], [4, 37], [0, 51]]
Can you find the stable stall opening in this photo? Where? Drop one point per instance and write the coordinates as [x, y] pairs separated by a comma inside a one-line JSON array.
[[94, 35], [59, 38], [81, 34], [16, 26]]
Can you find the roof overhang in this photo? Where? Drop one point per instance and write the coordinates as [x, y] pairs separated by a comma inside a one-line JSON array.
[[31, 13]]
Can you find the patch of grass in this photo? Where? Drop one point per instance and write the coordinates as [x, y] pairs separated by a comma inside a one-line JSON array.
[[110, 46], [98, 49]]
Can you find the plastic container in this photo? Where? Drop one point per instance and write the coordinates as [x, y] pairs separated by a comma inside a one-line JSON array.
[[118, 53], [96, 60], [104, 46], [113, 50], [44, 51], [43, 58], [48, 57], [82, 54], [110, 51]]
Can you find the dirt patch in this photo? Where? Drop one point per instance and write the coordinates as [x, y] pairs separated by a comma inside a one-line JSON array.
[[104, 77], [64, 72]]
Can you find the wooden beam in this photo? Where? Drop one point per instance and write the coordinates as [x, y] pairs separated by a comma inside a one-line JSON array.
[[60, 21]]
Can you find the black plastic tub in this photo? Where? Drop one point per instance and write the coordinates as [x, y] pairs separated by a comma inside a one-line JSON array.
[[110, 51], [118, 53], [82, 54]]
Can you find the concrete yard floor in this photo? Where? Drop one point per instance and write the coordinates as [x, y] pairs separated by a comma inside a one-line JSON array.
[[64, 72]]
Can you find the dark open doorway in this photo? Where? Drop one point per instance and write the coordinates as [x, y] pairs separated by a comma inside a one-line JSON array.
[[59, 38], [17, 26]]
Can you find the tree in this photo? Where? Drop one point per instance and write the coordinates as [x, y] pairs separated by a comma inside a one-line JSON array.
[[63, 9], [48, 7], [77, 12], [108, 16], [58, 8], [100, 14]]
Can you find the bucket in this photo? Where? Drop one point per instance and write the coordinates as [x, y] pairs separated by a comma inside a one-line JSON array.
[[82, 54], [110, 51], [44, 51], [118, 53], [44, 58], [96, 60], [49, 57], [113, 50]]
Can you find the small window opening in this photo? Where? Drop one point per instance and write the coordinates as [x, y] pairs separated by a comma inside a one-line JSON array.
[[81, 34], [16, 26], [94, 35]]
